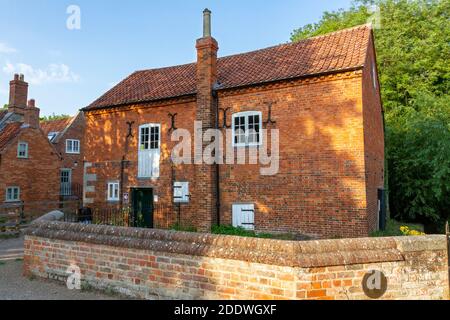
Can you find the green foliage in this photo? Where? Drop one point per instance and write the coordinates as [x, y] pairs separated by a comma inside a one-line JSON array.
[[54, 117], [413, 55], [183, 228], [241, 232], [393, 229], [5, 106], [418, 143]]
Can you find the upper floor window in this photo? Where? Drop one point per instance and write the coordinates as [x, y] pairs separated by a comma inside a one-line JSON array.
[[113, 191], [72, 146], [22, 150], [12, 194], [149, 137], [247, 129]]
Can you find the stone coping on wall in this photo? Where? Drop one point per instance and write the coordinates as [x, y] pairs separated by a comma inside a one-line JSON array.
[[305, 254]]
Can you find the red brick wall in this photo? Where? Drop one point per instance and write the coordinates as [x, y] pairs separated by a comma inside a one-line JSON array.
[[37, 176], [373, 139], [171, 266], [73, 161], [321, 185], [106, 144]]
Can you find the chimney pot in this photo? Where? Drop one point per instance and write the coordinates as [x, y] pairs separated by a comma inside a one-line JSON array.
[[16, 77], [31, 103], [22, 77], [206, 23]]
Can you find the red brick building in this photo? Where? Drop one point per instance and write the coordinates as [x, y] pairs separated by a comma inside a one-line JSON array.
[[321, 94], [67, 136], [29, 163]]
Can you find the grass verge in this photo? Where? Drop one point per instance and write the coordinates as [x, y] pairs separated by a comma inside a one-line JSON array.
[[241, 232], [393, 229]]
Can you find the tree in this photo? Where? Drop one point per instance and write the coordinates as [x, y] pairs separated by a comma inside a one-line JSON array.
[[413, 52], [54, 117]]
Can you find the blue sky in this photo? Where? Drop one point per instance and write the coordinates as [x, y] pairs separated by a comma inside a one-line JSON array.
[[68, 69]]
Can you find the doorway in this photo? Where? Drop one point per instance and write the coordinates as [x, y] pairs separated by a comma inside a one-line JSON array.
[[142, 207]]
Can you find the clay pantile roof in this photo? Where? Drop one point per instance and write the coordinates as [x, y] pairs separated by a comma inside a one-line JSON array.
[[334, 52], [10, 131], [55, 125]]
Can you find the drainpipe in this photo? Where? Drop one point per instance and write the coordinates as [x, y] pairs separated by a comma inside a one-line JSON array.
[[122, 169], [218, 204]]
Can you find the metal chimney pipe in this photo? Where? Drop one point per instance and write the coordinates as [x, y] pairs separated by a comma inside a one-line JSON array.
[[206, 23]]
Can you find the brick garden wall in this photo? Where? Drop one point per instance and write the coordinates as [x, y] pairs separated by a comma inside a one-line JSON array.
[[157, 264]]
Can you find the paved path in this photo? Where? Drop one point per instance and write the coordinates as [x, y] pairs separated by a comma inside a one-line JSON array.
[[11, 249], [15, 287]]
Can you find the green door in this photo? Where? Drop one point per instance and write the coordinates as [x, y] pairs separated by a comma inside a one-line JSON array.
[[142, 200]]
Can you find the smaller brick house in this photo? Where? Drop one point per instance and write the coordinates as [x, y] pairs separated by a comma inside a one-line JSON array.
[[67, 136], [29, 163]]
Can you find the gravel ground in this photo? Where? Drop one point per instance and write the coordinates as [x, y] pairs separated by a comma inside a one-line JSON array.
[[11, 249], [13, 286]]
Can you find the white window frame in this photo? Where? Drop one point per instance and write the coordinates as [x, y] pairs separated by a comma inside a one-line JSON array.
[[72, 150], [152, 155], [21, 143], [12, 199], [247, 115], [113, 186]]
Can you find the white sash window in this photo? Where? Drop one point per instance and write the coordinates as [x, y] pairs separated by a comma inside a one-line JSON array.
[[149, 150], [247, 129]]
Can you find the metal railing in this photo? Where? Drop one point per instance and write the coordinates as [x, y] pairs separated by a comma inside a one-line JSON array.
[[163, 216], [68, 189]]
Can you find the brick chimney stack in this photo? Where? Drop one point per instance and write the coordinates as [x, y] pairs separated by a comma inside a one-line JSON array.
[[32, 114], [19, 104], [18, 94], [205, 174]]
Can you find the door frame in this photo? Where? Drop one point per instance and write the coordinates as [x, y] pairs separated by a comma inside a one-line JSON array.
[[133, 191]]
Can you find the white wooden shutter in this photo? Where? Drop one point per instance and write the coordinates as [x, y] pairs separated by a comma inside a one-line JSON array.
[[155, 156], [181, 192], [244, 216], [144, 164]]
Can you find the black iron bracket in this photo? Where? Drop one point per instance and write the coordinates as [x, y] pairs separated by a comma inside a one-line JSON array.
[[130, 129], [269, 119], [225, 126], [173, 118]]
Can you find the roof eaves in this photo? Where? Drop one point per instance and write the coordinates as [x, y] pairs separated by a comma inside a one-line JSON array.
[[119, 105]]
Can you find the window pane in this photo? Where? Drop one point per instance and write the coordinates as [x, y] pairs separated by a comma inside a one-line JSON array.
[[154, 138], [22, 149], [239, 130], [145, 136], [254, 129]]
